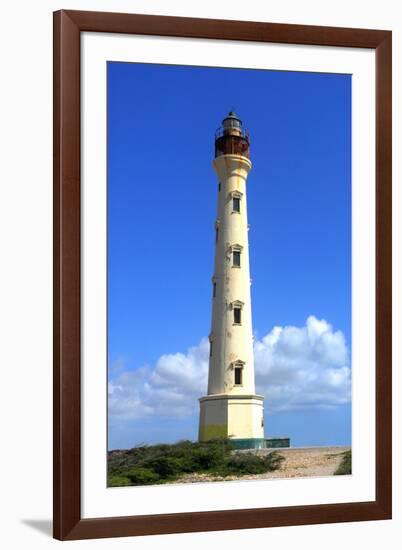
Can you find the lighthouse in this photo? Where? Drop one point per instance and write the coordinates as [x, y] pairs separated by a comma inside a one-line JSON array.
[[231, 409]]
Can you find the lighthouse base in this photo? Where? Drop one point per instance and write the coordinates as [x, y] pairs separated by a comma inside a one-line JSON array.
[[239, 418], [251, 443]]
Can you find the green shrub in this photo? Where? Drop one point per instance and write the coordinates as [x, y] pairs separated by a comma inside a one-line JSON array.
[[146, 465], [142, 476], [248, 463], [165, 466], [345, 467], [206, 457], [274, 461], [118, 481]]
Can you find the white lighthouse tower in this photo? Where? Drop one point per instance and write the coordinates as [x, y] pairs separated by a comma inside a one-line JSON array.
[[231, 409]]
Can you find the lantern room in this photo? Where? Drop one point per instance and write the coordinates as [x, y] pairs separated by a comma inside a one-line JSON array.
[[231, 138]]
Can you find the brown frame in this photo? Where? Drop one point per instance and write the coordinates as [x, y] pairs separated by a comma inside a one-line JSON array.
[[68, 25]]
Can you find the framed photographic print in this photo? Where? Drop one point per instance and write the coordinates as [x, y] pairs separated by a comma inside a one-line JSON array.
[[222, 271]]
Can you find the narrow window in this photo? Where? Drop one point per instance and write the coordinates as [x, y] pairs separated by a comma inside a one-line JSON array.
[[237, 315], [214, 291], [238, 376], [236, 258], [219, 186], [210, 349], [236, 204], [216, 234]]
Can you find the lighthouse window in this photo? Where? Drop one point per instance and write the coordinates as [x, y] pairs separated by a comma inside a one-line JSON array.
[[214, 291], [210, 349], [219, 186], [238, 371], [236, 258], [216, 234], [236, 204], [237, 315]]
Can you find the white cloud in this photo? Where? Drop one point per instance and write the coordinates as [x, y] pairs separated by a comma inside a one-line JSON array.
[[296, 368], [305, 367], [171, 388]]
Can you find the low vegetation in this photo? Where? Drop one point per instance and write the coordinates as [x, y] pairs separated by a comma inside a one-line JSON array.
[[156, 464], [345, 467]]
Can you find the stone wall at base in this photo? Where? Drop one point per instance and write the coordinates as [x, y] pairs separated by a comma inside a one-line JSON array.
[[277, 442]]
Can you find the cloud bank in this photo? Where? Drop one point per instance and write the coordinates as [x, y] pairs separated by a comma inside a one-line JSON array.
[[296, 368]]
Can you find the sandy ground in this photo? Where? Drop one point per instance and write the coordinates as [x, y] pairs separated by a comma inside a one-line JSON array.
[[299, 462]]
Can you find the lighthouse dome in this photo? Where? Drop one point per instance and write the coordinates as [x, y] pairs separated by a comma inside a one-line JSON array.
[[232, 121], [231, 138]]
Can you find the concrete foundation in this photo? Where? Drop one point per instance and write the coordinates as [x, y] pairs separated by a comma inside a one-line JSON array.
[[235, 417]]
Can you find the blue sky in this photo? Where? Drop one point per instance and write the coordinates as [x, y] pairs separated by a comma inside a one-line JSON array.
[[161, 210]]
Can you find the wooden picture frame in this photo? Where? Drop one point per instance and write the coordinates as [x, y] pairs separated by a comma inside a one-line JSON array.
[[68, 524]]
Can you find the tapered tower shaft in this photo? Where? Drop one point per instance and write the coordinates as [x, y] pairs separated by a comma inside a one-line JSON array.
[[231, 334], [231, 409]]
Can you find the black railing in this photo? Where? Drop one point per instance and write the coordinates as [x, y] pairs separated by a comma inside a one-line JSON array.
[[231, 144], [221, 131]]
